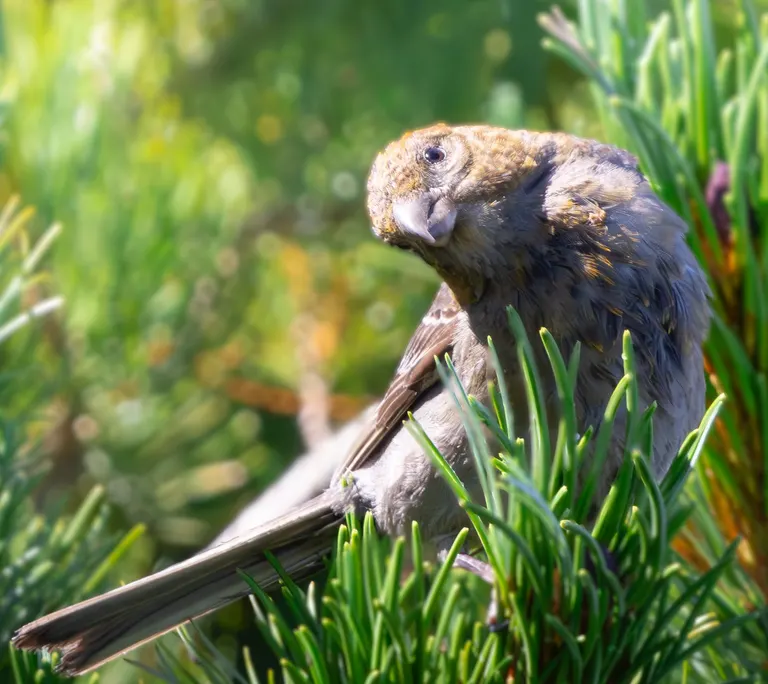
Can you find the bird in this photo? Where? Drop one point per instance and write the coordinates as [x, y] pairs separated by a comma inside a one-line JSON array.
[[566, 230]]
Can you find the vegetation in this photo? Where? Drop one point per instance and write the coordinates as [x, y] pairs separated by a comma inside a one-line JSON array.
[[202, 166]]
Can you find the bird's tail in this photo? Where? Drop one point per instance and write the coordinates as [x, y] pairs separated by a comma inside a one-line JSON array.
[[95, 631]]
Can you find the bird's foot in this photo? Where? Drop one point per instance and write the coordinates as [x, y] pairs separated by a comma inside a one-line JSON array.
[[485, 572], [477, 567], [611, 563]]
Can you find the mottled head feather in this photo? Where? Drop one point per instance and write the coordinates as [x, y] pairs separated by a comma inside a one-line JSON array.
[[482, 163], [500, 181]]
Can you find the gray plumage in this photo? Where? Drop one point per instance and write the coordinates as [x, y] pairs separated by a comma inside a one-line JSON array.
[[567, 231]]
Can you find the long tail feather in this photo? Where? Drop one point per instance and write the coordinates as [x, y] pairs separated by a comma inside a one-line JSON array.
[[97, 630]]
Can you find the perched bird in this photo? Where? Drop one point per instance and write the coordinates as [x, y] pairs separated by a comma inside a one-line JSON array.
[[567, 231]]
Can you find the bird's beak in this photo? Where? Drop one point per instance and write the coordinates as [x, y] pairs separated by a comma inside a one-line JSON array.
[[429, 219]]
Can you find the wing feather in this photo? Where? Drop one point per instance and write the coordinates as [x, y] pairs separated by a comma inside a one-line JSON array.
[[415, 374]]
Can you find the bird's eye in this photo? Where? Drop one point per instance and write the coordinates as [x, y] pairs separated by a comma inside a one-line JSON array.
[[433, 155]]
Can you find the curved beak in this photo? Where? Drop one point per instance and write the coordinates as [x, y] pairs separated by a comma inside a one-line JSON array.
[[431, 220]]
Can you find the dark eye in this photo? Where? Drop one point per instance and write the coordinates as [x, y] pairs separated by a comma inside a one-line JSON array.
[[433, 155]]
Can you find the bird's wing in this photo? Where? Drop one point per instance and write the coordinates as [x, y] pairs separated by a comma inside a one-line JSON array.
[[415, 374]]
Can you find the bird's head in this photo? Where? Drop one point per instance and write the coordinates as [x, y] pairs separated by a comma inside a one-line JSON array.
[[446, 193]]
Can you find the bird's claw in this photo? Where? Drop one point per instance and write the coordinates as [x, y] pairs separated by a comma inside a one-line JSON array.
[[477, 567], [485, 572]]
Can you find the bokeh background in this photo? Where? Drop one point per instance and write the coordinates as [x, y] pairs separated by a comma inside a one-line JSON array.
[[207, 162]]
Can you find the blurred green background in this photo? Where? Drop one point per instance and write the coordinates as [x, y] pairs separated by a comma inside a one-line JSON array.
[[207, 161]]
